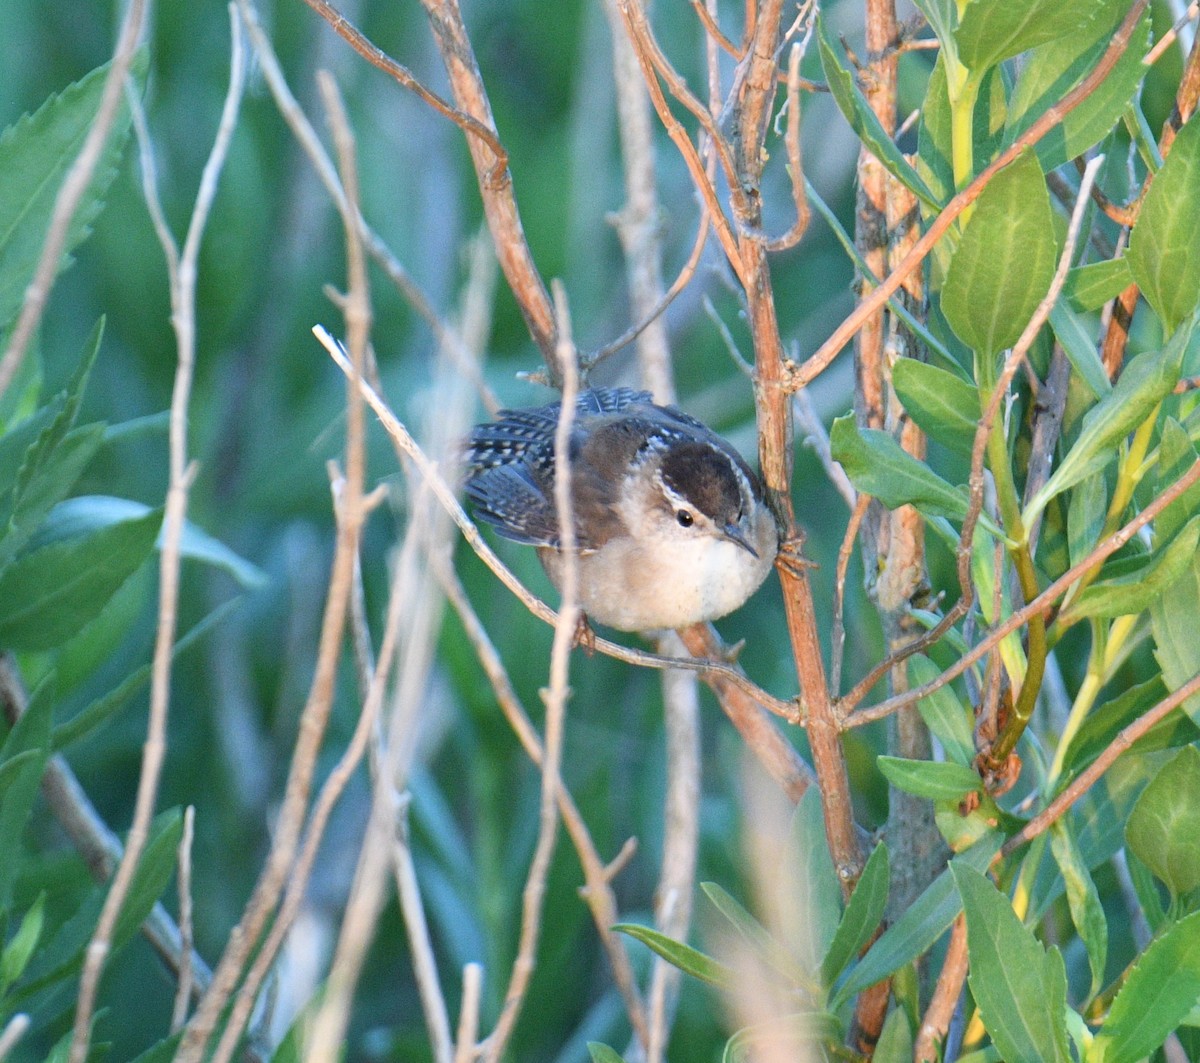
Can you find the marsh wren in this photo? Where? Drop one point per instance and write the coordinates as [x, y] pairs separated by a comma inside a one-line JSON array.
[[670, 523]]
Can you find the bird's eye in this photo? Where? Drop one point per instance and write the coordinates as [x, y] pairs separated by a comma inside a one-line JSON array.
[[686, 520]]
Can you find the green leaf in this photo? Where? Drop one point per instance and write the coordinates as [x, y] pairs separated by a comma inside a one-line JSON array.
[[153, 874], [35, 155], [935, 135], [1080, 350], [1020, 989], [944, 406], [927, 778], [862, 915], [1105, 723], [1164, 248], [677, 954], [1087, 913], [1089, 287], [48, 594], [840, 77], [942, 17], [994, 30], [945, 716], [1163, 829], [895, 1043], [1141, 584], [810, 878], [91, 513], [1146, 381], [1173, 626], [760, 940], [1159, 992], [1054, 69], [17, 952], [1086, 513], [880, 467], [1005, 259], [914, 933], [100, 711], [793, 1036], [1176, 454], [602, 1053], [163, 1052], [30, 734]]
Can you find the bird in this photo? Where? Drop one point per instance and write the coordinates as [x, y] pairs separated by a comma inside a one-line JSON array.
[[671, 525]]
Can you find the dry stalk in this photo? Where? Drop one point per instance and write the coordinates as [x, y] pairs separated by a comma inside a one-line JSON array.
[[245, 937], [71, 192], [183, 991], [181, 267], [554, 696]]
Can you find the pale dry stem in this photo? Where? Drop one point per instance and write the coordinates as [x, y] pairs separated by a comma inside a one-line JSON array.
[[182, 273]]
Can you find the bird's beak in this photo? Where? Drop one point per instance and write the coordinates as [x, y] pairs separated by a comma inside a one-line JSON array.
[[734, 534]]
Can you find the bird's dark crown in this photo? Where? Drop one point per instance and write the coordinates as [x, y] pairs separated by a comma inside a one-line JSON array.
[[707, 477]]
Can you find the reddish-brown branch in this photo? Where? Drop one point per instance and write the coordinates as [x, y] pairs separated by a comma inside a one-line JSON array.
[[495, 180], [945, 997], [1086, 778], [829, 350], [1039, 604]]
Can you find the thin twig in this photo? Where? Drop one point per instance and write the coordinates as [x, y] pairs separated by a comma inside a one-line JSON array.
[[1168, 38], [936, 1021], [445, 333], [183, 991], [1086, 778], [554, 696], [837, 636], [99, 848], [795, 158], [813, 433], [244, 939], [1043, 601], [468, 1015], [182, 271], [597, 889], [825, 354], [13, 1033], [71, 193]]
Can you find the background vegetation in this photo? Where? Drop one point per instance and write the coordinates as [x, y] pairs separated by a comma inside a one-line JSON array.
[[396, 813]]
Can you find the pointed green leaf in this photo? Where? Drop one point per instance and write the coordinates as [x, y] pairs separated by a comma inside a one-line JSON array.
[[602, 1053], [99, 712], [862, 915], [1173, 625], [35, 155], [853, 105], [1083, 901], [880, 467], [811, 880], [164, 1051], [677, 954], [945, 716], [1159, 992], [17, 952], [48, 594], [1164, 248], [1005, 259], [771, 952], [1146, 381], [153, 874], [1053, 69], [30, 734], [1080, 349], [895, 1043], [1176, 455], [994, 30], [1086, 512], [1140, 582], [944, 406], [1090, 286], [927, 778], [91, 513], [914, 933], [1164, 826], [1020, 989]]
